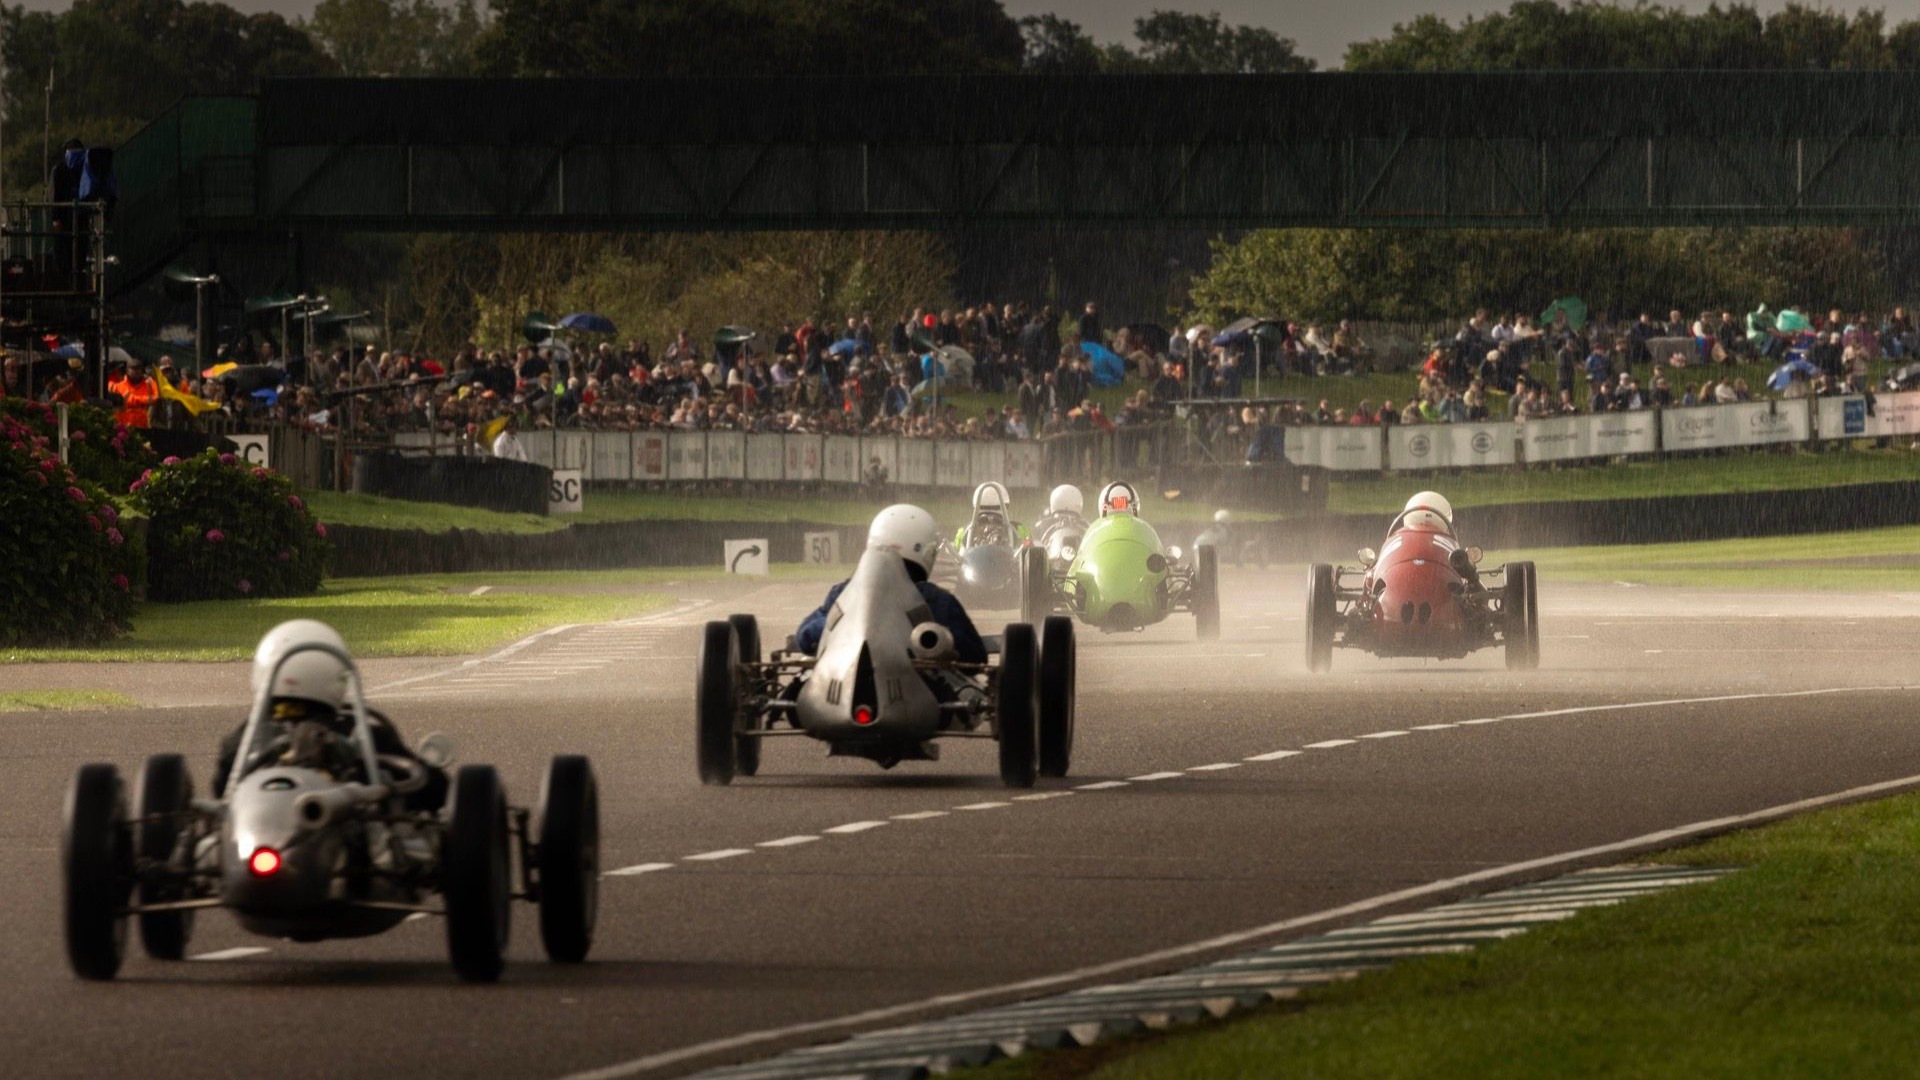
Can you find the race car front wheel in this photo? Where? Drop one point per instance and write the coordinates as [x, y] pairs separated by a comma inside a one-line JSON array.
[[165, 793], [1322, 615], [1206, 592], [97, 865], [716, 703], [569, 858], [1058, 661], [476, 880], [746, 748], [1036, 585], [1520, 604], [1016, 713]]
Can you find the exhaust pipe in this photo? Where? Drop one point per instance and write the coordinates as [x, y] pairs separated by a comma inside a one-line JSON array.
[[931, 641], [318, 809]]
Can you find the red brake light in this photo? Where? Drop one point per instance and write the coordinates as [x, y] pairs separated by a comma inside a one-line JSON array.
[[862, 715], [265, 862]]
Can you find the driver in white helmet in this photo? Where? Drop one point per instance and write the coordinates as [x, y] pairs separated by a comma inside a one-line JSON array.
[[1429, 511], [312, 685], [912, 534], [1064, 511], [992, 520], [1119, 498]]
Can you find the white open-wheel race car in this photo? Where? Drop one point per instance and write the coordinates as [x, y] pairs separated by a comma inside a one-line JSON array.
[[315, 838], [885, 685]]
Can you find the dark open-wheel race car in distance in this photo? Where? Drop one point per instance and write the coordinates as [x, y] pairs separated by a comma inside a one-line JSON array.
[[314, 839], [885, 685], [1422, 595]]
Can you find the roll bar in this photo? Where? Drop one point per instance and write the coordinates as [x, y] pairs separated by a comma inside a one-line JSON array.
[[263, 701]]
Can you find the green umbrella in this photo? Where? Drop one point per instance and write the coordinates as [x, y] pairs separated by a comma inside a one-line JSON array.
[[1575, 308], [1792, 322]]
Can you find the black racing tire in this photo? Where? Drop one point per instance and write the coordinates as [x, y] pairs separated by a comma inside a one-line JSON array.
[[746, 748], [165, 793], [97, 871], [569, 858], [1533, 614], [1016, 713], [476, 875], [1059, 662], [1206, 592], [1519, 609], [716, 704], [1322, 617], [1036, 585]]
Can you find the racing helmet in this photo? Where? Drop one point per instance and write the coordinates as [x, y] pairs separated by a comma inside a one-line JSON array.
[[1431, 500], [991, 495], [908, 532], [284, 637], [1066, 499], [1119, 498], [311, 675], [1222, 517], [1424, 520]]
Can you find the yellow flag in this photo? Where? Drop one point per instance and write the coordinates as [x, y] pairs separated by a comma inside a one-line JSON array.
[[194, 405], [492, 429]]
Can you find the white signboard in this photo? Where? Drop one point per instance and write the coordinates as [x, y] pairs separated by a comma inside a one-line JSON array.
[[649, 455], [803, 457], [251, 449], [1339, 447], [1850, 417], [573, 450], [953, 464], [726, 455], [687, 455], [916, 463], [1566, 438], [1023, 465], [886, 450], [612, 456], [1749, 424], [989, 462], [766, 457], [1449, 446], [822, 549], [539, 446], [565, 494], [842, 456], [746, 557]]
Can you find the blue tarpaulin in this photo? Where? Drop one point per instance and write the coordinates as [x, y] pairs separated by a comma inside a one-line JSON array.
[[1108, 369], [1783, 375]]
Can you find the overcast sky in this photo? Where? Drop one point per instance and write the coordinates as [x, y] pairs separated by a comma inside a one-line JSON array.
[[1323, 28]]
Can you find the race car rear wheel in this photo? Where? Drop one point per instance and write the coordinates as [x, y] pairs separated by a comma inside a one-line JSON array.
[[1016, 713], [1206, 592], [569, 858], [476, 878], [746, 749], [1058, 661], [97, 867], [165, 793], [1520, 606], [1322, 616], [716, 703], [1036, 585]]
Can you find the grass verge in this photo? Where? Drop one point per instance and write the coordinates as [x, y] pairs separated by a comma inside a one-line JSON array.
[[412, 616], [1872, 560], [62, 700], [1801, 965]]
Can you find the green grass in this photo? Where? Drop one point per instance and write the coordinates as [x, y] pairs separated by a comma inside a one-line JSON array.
[[62, 700], [1872, 560], [1801, 965], [378, 512], [1739, 471], [412, 616]]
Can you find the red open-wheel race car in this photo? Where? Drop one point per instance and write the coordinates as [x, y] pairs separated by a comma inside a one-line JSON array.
[[1423, 594]]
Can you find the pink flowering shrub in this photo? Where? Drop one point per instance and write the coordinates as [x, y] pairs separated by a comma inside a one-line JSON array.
[[69, 574], [219, 528], [100, 450]]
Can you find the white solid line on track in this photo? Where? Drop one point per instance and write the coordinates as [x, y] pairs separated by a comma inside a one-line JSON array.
[[787, 841], [1156, 776], [1104, 785], [853, 827], [1168, 957], [232, 954], [1434, 727], [1483, 720], [1275, 755], [920, 815], [1215, 767], [643, 868], [1383, 735], [1329, 744], [723, 853], [983, 806]]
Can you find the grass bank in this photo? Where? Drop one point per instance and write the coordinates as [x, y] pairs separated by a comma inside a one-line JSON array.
[[62, 700], [1801, 965], [1873, 560]]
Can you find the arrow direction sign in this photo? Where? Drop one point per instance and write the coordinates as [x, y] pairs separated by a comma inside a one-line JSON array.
[[746, 557]]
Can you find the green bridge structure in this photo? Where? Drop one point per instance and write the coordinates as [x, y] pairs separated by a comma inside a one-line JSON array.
[[1201, 152]]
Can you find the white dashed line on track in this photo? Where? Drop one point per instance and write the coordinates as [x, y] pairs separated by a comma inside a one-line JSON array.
[[1329, 744], [1483, 720], [643, 868], [921, 815], [1435, 727], [853, 827], [714, 856], [1274, 756], [1383, 735], [983, 806], [1042, 796], [1104, 785], [787, 841], [232, 954], [1215, 767], [1155, 776]]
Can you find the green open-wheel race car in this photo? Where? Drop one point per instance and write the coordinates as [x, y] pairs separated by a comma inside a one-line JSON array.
[[1120, 577]]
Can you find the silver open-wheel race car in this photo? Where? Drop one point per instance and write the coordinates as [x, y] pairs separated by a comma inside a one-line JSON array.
[[885, 685], [314, 839]]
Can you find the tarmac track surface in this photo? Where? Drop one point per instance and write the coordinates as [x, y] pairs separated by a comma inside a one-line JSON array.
[[931, 879]]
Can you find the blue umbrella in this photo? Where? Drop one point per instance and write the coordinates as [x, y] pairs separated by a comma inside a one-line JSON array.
[[588, 323], [844, 347], [1108, 369], [1782, 376]]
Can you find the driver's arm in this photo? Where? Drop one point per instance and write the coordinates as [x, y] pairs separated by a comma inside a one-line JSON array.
[[948, 612], [813, 627]]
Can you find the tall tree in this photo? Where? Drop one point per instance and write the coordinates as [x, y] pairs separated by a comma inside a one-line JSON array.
[[397, 37], [1185, 43]]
